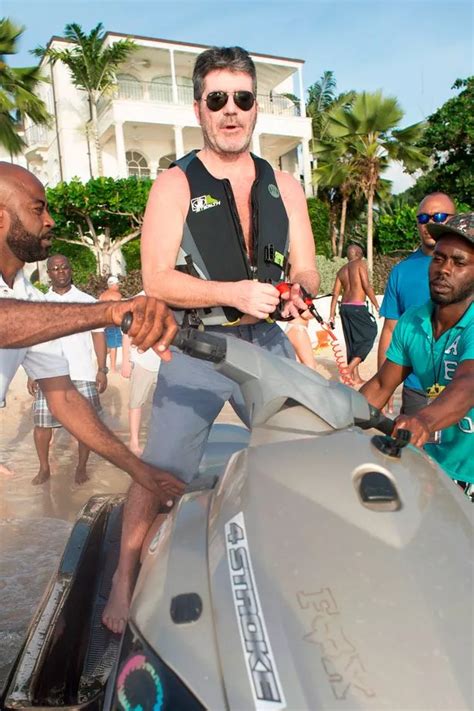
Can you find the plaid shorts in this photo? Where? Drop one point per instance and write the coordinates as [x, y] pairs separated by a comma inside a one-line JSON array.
[[41, 414]]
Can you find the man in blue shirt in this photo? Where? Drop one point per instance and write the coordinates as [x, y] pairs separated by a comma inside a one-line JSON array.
[[435, 341], [408, 286]]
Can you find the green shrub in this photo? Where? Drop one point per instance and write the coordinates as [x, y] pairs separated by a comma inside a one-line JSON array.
[[397, 231], [319, 218], [328, 268], [131, 253], [41, 287], [382, 266]]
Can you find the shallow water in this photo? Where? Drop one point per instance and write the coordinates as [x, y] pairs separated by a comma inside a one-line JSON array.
[[35, 521]]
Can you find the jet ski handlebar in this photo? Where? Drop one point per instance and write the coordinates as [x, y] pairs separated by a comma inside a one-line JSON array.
[[213, 348]]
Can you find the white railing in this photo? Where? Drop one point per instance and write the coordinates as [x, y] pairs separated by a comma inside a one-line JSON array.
[[36, 135], [162, 93]]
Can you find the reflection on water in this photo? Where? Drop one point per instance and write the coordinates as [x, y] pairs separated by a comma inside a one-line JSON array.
[[30, 552], [35, 520]]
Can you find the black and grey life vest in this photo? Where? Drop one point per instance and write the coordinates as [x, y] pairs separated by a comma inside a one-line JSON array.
[[213, 245]]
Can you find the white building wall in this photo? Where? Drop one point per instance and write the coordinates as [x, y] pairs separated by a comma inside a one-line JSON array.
[[73, 114]]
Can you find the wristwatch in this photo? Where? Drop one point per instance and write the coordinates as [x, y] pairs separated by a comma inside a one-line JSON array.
[[104, 370]]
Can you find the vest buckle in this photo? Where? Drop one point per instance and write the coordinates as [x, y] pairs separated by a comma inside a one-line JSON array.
[[269, 253]]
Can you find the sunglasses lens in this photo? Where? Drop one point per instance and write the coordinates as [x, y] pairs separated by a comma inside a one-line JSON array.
[[423, 218], [216, 100], [440, 217], [244, 100]]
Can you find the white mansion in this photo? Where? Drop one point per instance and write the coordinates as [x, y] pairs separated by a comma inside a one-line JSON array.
[[147, 120]]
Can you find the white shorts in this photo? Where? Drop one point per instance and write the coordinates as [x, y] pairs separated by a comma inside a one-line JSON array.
[[141, 382]]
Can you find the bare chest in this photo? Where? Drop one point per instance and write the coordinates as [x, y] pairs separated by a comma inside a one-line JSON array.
[[241, 189]]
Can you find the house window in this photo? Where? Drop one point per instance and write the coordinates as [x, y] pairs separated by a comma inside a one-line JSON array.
[[129, 87], [161, 89], [137, 164]]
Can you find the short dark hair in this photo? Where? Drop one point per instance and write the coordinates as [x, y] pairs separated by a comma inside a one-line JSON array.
[[235, 59], [357, 246]]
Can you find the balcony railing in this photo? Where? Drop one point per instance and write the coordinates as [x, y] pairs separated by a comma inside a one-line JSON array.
[[162, 93], [36, 136]]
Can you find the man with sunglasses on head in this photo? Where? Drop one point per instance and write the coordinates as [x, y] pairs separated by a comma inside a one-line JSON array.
[[408, 286], [221, 229]]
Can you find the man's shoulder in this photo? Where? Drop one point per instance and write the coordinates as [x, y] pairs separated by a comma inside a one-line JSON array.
[[171, 178], [415, 314], [290, 189], [171, 185], [343, 270]]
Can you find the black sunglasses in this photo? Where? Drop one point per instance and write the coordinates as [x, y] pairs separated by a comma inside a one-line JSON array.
[[424, 217], [216, 100]]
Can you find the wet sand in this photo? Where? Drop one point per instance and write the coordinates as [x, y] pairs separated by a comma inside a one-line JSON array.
[[35, 520]]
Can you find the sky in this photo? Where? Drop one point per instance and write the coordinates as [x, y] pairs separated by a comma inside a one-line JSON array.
[[411, 49]]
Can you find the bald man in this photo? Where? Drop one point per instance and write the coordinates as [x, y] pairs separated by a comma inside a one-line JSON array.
[[25, 236], [408, 285], [358, 324]]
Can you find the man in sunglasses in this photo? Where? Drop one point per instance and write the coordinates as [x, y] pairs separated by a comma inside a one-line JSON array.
[[26, 327], [221, 230], [408, 285]]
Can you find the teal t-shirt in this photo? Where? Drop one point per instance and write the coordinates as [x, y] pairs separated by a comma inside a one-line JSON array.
[[433, 362]]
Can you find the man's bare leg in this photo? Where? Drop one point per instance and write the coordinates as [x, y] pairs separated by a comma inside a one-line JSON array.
[[113, 360], [353, 370], [134, 419], [81, 474], [42, 437], [140, 510]]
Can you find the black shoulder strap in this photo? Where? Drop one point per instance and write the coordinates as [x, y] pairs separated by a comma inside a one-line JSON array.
[[184, 161]]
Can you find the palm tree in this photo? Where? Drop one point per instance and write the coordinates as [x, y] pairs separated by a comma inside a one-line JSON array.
[[367, 129], [322, 99], [337, 170], [92, 65], [17, 98]]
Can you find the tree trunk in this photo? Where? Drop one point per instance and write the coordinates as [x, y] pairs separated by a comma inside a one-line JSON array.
[[95, 132], [333, 228], [370, 227], [342, 226]]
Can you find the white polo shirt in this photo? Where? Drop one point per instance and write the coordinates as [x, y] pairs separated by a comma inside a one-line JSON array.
[[41, 361], [148, 360], [78, 348]]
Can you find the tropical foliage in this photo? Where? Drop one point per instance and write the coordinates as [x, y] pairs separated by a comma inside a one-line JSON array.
[[17, 92], [102, 215], [93, 65], [449, 140], [360, 140]]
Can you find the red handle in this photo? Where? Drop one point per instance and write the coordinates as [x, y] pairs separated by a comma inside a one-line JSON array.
[[284, 287]]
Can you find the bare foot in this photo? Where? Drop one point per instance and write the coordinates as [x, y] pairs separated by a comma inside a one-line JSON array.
[[136, 449], [5, 471], [115, 613], [41, 477], [81, 476]]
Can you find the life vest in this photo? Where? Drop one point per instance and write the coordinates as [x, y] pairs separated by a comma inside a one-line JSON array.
[[213, 245]]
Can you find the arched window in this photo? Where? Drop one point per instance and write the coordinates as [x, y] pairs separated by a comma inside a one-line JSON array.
[[137, 164], [129, 87], [161, 89]]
